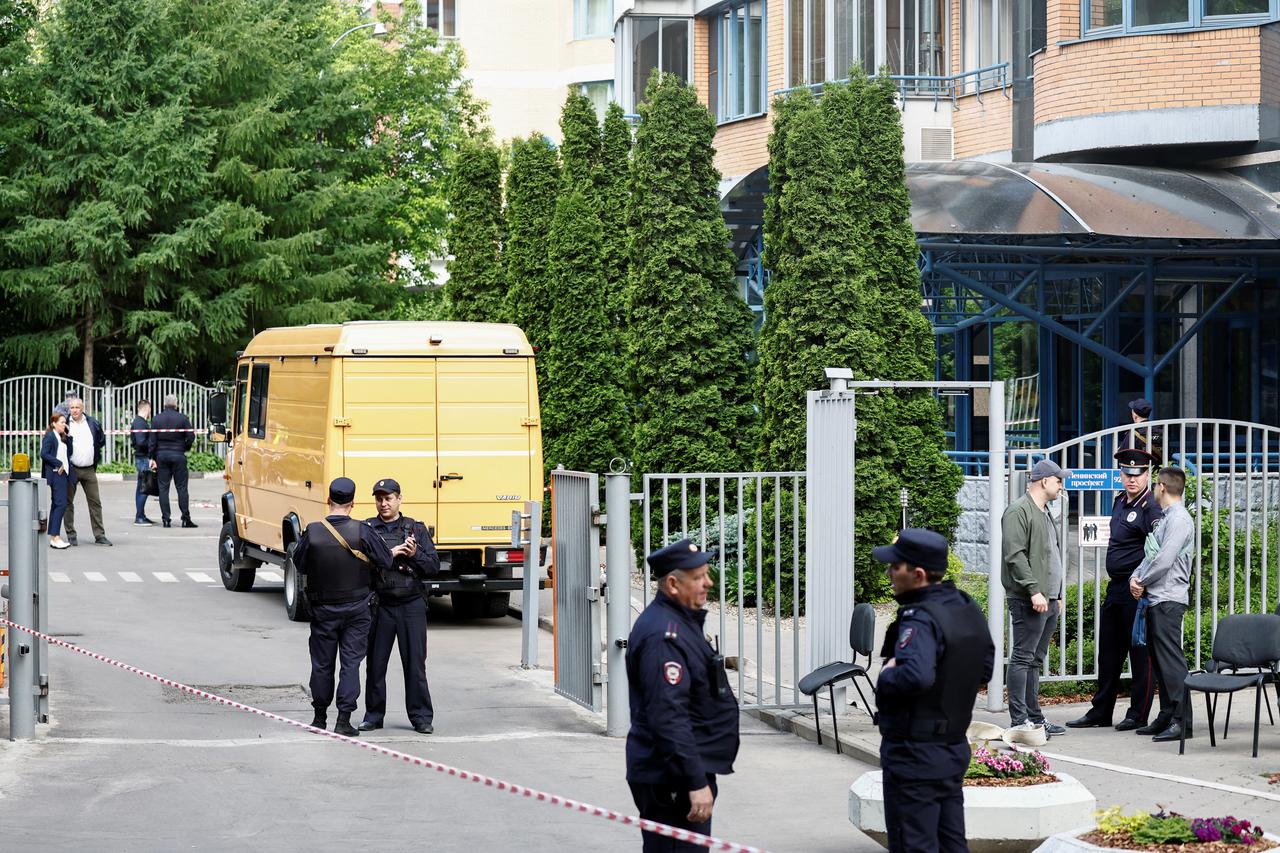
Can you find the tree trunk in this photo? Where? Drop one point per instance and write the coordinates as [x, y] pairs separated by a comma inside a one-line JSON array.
[[88, 345]]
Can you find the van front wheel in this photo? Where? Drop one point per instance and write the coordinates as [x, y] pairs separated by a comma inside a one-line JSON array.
[[236, 580], [295, 598]]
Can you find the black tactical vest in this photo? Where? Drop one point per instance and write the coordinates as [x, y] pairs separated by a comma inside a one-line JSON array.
[[943, 714], [396, 583], [334, 576]]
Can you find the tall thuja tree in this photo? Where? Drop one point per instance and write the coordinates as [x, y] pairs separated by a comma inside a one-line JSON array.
[[532, 185], [900, 435], [475, 289], [615, 169], [585, 410], [689, 333]]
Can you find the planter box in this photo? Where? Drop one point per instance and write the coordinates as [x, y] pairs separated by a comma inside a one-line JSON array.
[[1069, 842], [996, 820]]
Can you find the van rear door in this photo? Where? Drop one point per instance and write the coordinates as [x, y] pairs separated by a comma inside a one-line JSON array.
[[485, 447], [389, 407]]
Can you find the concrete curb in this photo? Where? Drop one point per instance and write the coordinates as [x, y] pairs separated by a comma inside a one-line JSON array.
[[516, 611], [860, 747]]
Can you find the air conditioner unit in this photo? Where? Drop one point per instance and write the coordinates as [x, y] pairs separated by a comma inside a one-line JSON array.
[[937, 143]]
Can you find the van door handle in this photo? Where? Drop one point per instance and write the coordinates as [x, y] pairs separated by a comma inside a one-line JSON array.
[[444, 478]]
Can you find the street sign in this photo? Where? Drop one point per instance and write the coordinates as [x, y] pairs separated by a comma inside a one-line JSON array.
[[1094, 480], [1095, 531]]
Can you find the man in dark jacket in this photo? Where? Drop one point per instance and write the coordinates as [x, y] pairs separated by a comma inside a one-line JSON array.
[[171, 437], [684, 716], [87, 441], [936, 655], [140, 438]]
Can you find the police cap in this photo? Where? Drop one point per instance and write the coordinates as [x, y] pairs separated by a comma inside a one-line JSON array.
[[1134, 461], [386, 486], [916, 547], [1141, 407], [678, 555], [342, 491]]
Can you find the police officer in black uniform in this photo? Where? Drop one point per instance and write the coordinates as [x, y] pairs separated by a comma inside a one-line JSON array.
[[337, 556], [400, 617], [937, 653], [1134, 514], [684, 716]]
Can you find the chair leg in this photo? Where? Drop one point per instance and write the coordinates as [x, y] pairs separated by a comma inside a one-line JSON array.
[[1226, 724], [866, 707], [1186, 704], [835, 727], [1209, 706], [817, 720], [1266, 697], [1257, 716]]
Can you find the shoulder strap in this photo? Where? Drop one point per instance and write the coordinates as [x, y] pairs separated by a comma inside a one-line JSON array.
[[333, 531]]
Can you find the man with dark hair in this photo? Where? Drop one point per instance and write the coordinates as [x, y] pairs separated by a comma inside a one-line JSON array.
[[140, 438], [1163, 581], [937, 653]]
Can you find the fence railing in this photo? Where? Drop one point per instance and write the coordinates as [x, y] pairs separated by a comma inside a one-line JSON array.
[[754, 523], [938, 87], [27, 401]]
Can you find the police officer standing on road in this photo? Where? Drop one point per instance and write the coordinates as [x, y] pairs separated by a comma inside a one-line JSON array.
[[1134, 514], [937, 654], [400, 616], [336, 555], [171, 438], [684, 716]]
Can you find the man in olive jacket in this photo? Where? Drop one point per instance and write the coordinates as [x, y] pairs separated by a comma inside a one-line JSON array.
[[1032, 573]]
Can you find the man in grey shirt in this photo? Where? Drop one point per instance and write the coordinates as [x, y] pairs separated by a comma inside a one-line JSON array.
[[1163, 579]]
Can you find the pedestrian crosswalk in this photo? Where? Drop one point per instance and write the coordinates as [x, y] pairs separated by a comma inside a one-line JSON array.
[[177, 576]]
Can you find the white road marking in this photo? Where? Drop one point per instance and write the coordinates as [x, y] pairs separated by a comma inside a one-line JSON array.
[[1168, 777], [200, 577], [165, 577], [129, 577], [308, 738], [96, 577], [59, 577], [271, 575]]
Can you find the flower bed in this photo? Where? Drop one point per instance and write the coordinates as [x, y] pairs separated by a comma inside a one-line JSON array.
[[1168, 831], [991, 769]]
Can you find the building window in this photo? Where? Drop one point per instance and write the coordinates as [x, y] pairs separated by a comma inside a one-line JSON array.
[[599, 93], [658, 44], [591, 19], [1122, 17], [826, 39], [736, 49], [441, 16], [985, 38]]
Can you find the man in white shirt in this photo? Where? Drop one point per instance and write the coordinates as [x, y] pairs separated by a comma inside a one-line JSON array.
[[87, 441]]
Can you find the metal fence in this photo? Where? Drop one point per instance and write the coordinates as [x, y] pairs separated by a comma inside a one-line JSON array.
[[27, 401], [1233, 493], [754, 523], [575, 543]]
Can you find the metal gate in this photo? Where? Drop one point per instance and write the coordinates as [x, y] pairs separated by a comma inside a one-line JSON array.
[[575, 543], [1233, 493]]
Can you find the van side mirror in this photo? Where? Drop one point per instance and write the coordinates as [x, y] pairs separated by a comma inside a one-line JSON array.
[[217, 406], [217, 434]]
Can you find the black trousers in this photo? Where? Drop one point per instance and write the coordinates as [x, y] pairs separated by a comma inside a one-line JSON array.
[[171, 466], [338, 631], [924, 815], [403, 624], [1115, 633], [669, 805], [1164, 638]]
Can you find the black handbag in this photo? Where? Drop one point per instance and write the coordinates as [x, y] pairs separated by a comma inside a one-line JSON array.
[[150, 483]]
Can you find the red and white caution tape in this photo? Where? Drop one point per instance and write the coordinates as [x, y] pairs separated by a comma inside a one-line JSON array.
[[708, 841], [106, 431]]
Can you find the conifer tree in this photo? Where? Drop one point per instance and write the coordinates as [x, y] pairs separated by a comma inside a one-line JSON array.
[[688, 331], [615, 168], [475, 289], [580, 145], [532, 186]]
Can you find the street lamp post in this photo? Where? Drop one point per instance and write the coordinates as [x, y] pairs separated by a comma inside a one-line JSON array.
[[379, 29]]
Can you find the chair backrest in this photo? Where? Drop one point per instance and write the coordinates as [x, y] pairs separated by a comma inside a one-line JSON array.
[[862, 629], [1247, 640]]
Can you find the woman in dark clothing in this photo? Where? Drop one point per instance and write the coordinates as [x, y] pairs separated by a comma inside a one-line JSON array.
[[55, 450]]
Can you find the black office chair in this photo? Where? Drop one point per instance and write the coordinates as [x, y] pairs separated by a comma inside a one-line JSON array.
[[862, 637], [1242, 642]]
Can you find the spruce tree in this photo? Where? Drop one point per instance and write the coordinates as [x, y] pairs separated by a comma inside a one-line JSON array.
[[532, 186], [615, 167], [689, 333], [475, 289]]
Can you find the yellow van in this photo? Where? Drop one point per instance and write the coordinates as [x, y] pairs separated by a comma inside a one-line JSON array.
[[450, 410]]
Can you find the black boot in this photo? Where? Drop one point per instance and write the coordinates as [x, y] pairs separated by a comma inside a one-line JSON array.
[[344, 726], [320, 720]]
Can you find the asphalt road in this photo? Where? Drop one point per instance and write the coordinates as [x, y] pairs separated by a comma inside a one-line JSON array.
[[127, 764]]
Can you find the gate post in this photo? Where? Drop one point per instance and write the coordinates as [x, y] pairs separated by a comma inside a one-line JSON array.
[[995, 507], [21, 592], [617, 551]]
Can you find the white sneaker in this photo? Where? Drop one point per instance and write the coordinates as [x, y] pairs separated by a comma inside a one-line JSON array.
[[1028, 726], [59, 545]]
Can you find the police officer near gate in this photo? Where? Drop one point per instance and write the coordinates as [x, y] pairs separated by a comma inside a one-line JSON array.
[[338, 556], [684, 716], [937, 653], [1134, 514], [400, 617]]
